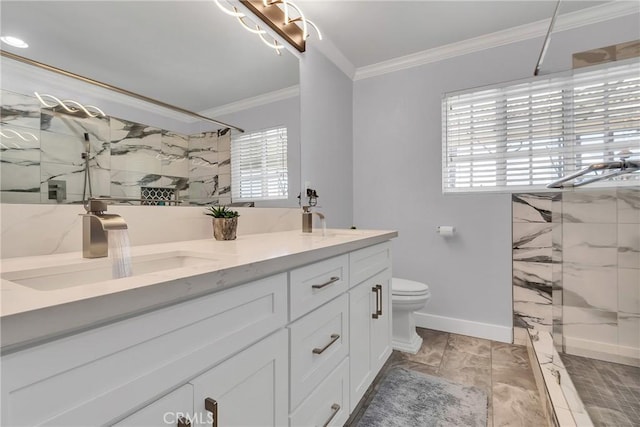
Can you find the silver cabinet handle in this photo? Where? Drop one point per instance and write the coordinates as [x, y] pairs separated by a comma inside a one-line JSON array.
[[376, 312], [379, 287], [211, 405], [335, 407], [183, 422], [327, 283], [334, 338]]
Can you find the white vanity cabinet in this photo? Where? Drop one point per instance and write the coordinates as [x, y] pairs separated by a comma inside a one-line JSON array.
[[100, 376], [249, 389], [319, 342], [369, 317], [297, 348]]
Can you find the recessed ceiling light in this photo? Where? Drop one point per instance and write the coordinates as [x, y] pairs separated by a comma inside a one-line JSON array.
[[14, 41]]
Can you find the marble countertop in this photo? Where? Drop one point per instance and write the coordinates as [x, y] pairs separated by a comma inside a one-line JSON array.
[[29, 315]]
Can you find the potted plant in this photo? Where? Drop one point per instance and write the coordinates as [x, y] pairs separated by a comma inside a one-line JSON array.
[[225, 222]]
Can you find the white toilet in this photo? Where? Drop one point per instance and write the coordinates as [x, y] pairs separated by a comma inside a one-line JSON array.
[[407, 296]]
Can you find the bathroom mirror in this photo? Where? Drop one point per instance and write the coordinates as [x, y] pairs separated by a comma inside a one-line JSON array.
[[185, 53]]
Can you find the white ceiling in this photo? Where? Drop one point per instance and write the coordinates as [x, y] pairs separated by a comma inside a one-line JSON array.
[[190, 54], [368, 32]]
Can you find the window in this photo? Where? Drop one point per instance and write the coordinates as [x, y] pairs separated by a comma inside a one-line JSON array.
[[259, 165], [526, 135]]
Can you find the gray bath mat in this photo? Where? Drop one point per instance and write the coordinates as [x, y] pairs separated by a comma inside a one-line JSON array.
[[408, 398]]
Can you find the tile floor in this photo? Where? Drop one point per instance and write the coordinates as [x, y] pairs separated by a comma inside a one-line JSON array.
[[610, 392], [502, 370]]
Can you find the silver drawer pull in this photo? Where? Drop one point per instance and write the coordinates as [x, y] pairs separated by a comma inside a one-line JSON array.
[[376, 312], [334, 338], [330, 281], [336, 408]]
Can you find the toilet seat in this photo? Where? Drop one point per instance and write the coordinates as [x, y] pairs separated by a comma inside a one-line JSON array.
[[404, 287]]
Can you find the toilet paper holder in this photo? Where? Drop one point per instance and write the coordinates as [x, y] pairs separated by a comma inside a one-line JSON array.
[[445, 230]]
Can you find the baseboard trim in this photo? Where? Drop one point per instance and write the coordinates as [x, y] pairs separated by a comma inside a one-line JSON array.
[[465, 327]]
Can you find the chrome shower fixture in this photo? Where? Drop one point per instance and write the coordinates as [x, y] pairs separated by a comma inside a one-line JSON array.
[[622, 167]]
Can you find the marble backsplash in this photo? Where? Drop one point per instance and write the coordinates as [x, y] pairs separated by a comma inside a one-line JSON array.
[[29, 230], [40, 148], [576, 270]]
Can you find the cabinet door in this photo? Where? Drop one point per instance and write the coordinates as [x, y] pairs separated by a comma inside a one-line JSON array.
[[173, 409], [361, 305], [381, 326], [369, 332], [249, 389]]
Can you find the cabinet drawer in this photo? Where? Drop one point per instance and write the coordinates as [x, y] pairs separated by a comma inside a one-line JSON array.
[[319, 342], [313, 285], [367, 262], [328, 405]]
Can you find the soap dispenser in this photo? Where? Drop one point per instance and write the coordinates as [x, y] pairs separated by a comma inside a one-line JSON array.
[[307, 220]]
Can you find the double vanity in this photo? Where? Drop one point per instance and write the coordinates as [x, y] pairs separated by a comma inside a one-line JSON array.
[[275, 329]]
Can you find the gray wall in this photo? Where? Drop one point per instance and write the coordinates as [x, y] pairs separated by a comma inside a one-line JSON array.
[[285, 112], [326, 95], [397, 178]]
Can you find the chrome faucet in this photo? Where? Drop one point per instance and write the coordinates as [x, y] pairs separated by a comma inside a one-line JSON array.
[[307, 219], [95, 226]]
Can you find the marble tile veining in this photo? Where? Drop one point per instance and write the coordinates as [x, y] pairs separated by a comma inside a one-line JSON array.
[[532, 242], [23, 176], [629, 205], [590, 287], [590, 206], [20, 110], [126, 154], [175, 155], [590, 244], [629, 245], [532, 207], [629, 290], [18, 144]]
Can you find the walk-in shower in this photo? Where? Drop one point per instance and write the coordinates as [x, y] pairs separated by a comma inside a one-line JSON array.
[[576, 264]]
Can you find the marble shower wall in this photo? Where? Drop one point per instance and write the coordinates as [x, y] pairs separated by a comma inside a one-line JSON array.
[[576, 270], [533, 259], [40, 148], [210, 168], [20, 148], [601, 274]]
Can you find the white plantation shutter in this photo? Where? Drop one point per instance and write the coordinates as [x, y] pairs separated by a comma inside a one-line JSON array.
[[526, 135], [259, 165]]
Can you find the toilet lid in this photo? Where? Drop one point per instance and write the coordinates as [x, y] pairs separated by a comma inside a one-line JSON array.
[[408, 287]]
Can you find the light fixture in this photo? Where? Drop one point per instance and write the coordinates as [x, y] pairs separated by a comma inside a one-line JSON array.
[[282, 16], [14, 41], [70, 106], [255, 28]]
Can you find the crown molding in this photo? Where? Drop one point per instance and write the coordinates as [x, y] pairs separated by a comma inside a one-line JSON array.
[[256, 101], [588, 16]]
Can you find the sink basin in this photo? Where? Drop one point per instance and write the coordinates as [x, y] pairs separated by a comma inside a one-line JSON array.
[[98, 270]]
